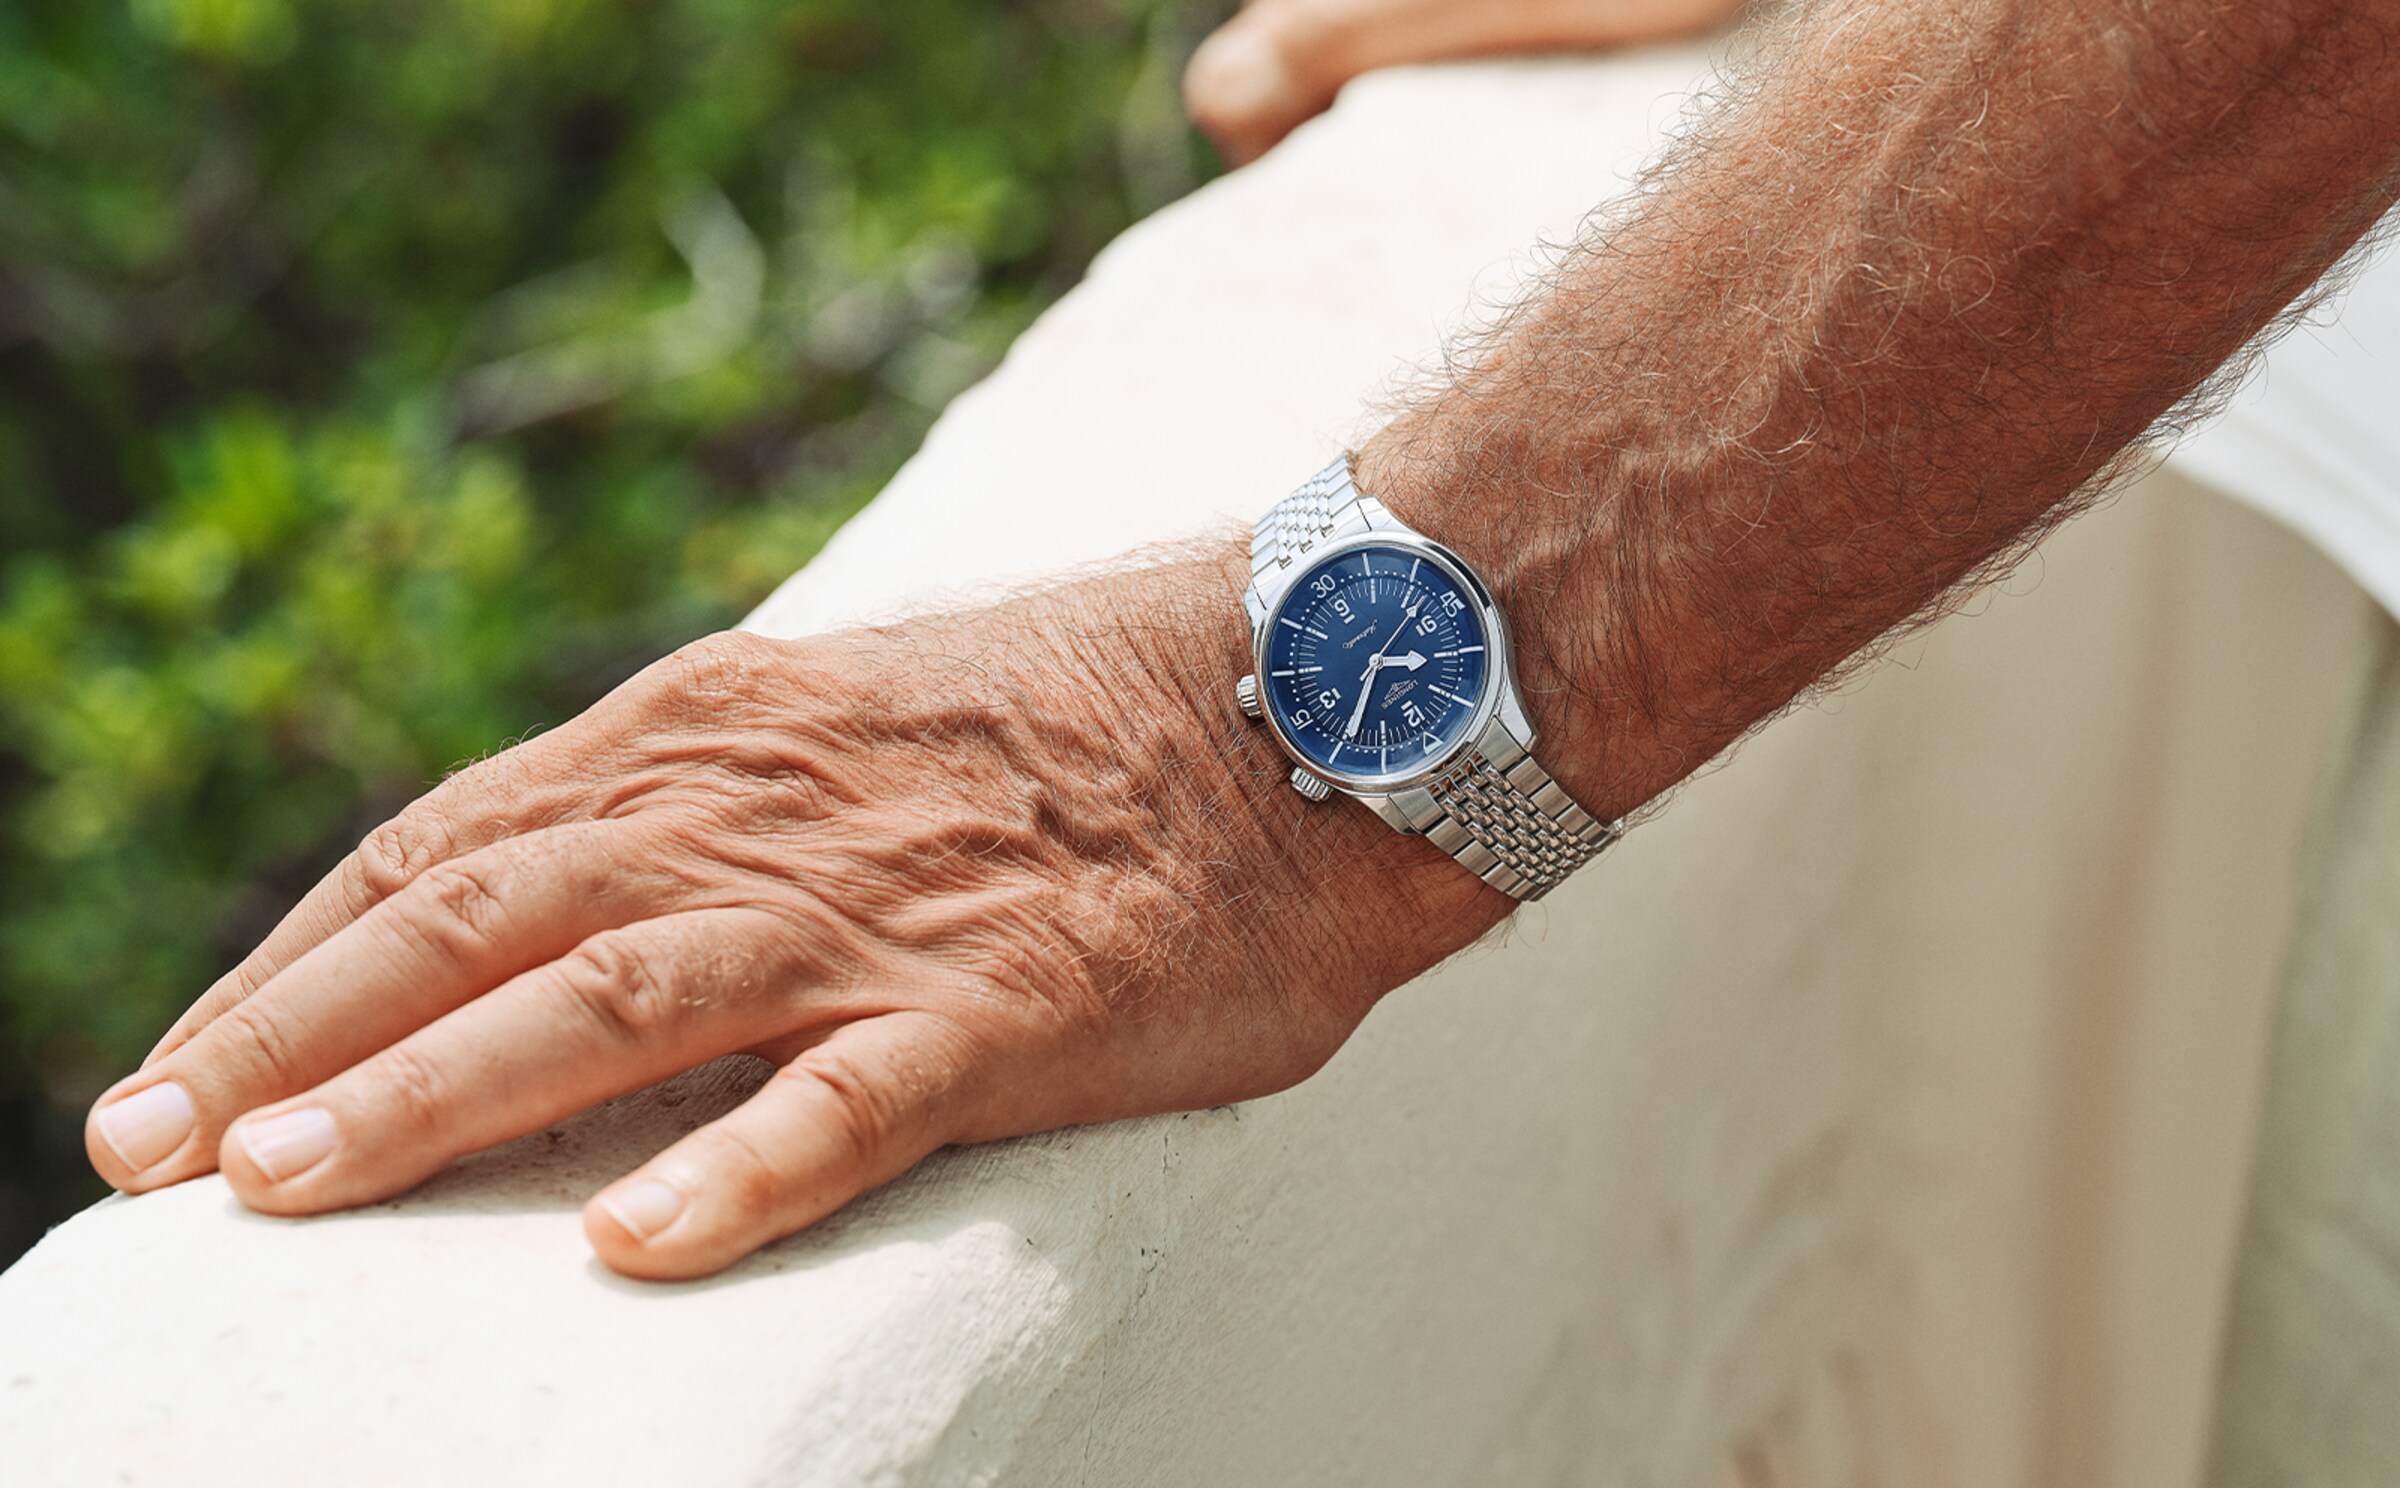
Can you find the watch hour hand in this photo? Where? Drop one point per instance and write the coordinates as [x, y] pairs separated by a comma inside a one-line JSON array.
[[1411, 661]]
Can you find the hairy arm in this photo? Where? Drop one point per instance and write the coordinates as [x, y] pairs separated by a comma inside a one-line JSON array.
[[1893, 309], [1916, 285], [1900, 307]]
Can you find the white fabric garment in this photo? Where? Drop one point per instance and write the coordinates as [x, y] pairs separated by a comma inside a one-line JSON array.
[[2313, 439]]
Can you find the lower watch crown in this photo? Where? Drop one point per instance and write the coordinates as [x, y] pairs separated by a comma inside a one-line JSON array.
[[1247, 691], [1310, 786]]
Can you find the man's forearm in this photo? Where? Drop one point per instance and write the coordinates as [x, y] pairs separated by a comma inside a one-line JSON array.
[[1881, 323], [1885, 318], [1005, 869]]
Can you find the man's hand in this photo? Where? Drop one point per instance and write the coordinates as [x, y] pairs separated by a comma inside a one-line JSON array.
[[1280, 62], [1890, 314], [970, 877]]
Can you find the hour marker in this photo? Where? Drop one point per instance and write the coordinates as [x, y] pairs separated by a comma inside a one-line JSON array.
[[1320, 635], [1306, 671], [1366, 563], [1459, 651], [1286, 672], [1412, 570], [1294, 624]]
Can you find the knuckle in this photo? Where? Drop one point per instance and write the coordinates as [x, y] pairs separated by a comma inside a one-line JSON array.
[[499, 789], [725, 664], [462, 913], [233, 989], [748, 1178], [866, 1114], [614, 981], [263, 1045], [412, 1090], [392, 856], [245, 981]]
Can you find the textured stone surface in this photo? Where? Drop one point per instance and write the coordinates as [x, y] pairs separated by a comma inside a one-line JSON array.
[[1876, 1115]]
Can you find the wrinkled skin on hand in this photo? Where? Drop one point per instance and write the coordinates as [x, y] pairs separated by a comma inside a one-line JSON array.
[[961, 879]]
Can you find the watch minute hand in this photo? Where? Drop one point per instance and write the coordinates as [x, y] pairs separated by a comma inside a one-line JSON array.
[[1366, 684], [1366, 689]]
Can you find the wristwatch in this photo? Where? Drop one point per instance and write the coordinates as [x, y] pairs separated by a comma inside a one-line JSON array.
[[1383, 669]]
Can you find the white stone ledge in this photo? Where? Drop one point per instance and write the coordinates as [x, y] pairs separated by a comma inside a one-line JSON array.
[[1877, 1114]]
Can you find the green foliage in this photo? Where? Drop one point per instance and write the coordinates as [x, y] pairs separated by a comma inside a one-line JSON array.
[[380, 381]]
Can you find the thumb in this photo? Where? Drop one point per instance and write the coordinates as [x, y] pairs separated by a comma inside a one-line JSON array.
[[849, 1114]]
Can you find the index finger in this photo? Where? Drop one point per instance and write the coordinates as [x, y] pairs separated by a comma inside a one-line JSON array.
[[474, 808]]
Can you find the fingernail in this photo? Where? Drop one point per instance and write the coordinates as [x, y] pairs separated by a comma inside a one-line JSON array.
[[643, 1208], [146, 1125], [288, 1145]]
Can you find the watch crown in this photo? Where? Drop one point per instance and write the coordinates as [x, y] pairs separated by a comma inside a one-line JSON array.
[[1247, 691], [1309, 786]]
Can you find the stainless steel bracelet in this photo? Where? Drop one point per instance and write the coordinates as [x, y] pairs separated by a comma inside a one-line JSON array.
[[1327, 505], [1514, 827], [1494, 809]]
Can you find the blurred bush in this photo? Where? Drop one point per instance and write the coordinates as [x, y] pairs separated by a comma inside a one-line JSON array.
[[383, 379]]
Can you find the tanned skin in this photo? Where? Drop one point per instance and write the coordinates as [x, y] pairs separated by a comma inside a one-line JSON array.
[[1887, 315]]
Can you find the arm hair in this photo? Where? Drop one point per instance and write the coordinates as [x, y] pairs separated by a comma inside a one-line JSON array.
[[1918, 283]]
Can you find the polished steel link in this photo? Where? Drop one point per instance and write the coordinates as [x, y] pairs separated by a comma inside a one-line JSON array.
[[1310, 515], [1505, 820], [1517, 831]]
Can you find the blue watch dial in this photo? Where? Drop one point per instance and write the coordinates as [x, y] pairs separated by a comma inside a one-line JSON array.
[[1375, 661]]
